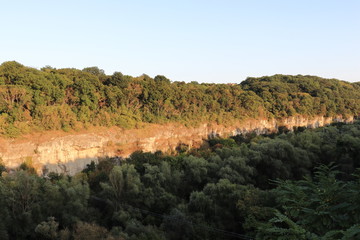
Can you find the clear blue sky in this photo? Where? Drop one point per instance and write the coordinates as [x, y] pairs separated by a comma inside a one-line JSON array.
[[187, 40]]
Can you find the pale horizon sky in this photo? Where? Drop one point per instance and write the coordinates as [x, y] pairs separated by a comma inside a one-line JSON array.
[[190, 40]]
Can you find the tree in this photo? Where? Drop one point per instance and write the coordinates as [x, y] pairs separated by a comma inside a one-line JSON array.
[[48, 229], [319, 208], [11, 95], [21, 200], [124, 183], [91, 231], [94, 70]]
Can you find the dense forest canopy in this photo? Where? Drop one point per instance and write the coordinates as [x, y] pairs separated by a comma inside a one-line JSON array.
[[50, 99], [294, 186]]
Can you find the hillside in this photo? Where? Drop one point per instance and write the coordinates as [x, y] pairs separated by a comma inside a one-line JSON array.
[[34, 100]]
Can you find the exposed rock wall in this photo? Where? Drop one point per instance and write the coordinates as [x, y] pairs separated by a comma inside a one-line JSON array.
[[70, 152]]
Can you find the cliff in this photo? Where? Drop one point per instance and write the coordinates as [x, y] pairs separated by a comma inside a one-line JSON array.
[[70, 152]]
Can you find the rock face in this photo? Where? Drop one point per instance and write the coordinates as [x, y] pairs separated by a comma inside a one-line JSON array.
[[70, 152]]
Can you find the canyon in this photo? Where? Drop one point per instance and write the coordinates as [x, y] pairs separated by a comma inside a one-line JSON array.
[[70, 152]]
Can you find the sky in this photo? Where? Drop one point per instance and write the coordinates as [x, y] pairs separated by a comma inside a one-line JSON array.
[[223, 41]]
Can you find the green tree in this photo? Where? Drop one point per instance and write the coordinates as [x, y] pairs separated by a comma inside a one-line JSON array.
[[124, 184], [319, 208], [48, 229]]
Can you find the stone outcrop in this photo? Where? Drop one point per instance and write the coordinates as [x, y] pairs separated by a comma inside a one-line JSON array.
[[70, 152]]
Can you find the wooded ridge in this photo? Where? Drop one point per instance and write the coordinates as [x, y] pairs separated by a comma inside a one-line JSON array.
[[53, 99]]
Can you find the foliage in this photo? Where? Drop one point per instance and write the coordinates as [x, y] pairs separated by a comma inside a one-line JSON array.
[[319, 208], [251, 187], [48, 229], [53, 99]]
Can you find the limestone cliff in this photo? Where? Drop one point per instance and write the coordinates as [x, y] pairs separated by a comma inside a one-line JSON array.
[[70, 152]]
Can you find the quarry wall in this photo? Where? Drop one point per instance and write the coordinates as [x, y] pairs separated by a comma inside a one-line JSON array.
[[70, 152]]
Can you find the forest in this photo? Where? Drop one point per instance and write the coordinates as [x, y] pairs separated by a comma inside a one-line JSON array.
[[302, 184], [299, 184], [71, 99]]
